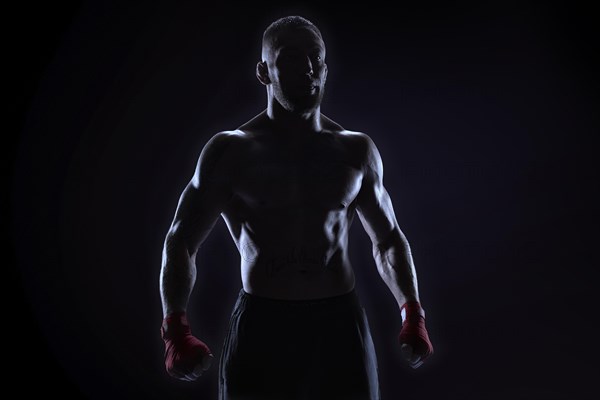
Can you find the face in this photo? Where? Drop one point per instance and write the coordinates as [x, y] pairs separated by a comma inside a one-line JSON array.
[[297, 70]]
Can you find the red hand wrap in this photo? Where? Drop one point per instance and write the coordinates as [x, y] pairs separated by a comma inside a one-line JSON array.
[[413, 330], [183, 351]]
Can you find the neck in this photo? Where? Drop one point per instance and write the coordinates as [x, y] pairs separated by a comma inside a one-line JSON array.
[[293, 122]]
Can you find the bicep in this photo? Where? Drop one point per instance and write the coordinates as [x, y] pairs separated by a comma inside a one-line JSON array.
[[374, 205], [205, 196], [376, 212]]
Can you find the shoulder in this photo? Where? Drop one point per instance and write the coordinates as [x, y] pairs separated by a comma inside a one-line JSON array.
[[223, 139], [363, 147], [221, 143], [358, 140], [217, 154]]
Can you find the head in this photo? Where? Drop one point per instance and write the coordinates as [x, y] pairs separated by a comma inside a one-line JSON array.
[[293, 64]]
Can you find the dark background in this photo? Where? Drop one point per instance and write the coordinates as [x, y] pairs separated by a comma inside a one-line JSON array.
[[485, 116]]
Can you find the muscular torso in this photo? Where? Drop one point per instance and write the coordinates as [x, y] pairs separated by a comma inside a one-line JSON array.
[[292, 206]]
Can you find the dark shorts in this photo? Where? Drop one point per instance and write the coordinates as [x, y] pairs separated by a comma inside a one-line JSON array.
[[298, 350]]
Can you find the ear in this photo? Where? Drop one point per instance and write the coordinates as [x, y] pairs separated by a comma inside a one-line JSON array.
[[262, 73], [325, 70]]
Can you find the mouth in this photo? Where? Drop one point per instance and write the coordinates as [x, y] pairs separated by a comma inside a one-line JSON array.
[[307, 84], [309, 88], [305, 89]]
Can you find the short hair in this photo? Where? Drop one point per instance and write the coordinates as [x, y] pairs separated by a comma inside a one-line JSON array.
[[283, 24]]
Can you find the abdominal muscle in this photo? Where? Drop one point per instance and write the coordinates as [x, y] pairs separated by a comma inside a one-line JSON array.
[[297, 274]]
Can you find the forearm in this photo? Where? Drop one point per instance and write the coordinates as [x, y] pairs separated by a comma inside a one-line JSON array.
[[177, 275], [396, 268]]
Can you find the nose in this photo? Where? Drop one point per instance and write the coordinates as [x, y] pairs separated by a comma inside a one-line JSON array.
[[307, 66]]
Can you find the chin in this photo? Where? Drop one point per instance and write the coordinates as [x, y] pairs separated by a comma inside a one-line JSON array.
[[304, 104]]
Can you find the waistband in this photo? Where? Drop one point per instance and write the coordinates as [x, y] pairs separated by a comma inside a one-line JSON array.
[[347, 299]]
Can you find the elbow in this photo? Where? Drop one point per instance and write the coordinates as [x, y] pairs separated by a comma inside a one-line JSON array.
[[391, 253], [394, 239], [175, 246], [386, 269]]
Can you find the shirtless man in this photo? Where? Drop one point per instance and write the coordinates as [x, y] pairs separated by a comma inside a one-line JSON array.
[[287, 184]]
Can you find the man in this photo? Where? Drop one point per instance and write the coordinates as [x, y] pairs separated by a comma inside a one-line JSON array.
[[287, 183]]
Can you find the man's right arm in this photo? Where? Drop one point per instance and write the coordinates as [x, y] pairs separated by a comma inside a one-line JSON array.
[[199, 208]]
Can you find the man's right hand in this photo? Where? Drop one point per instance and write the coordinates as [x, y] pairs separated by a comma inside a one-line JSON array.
[[186, 357]]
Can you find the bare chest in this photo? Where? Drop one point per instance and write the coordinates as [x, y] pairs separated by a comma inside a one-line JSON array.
[[316, 175]]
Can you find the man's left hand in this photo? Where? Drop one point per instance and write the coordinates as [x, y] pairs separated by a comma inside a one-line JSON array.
[[414, 340]]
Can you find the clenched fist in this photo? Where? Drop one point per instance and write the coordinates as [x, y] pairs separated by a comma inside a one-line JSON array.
[[186, 357], [414, 340]]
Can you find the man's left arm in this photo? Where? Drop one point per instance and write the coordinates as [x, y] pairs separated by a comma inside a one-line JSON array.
[[392, 255]]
